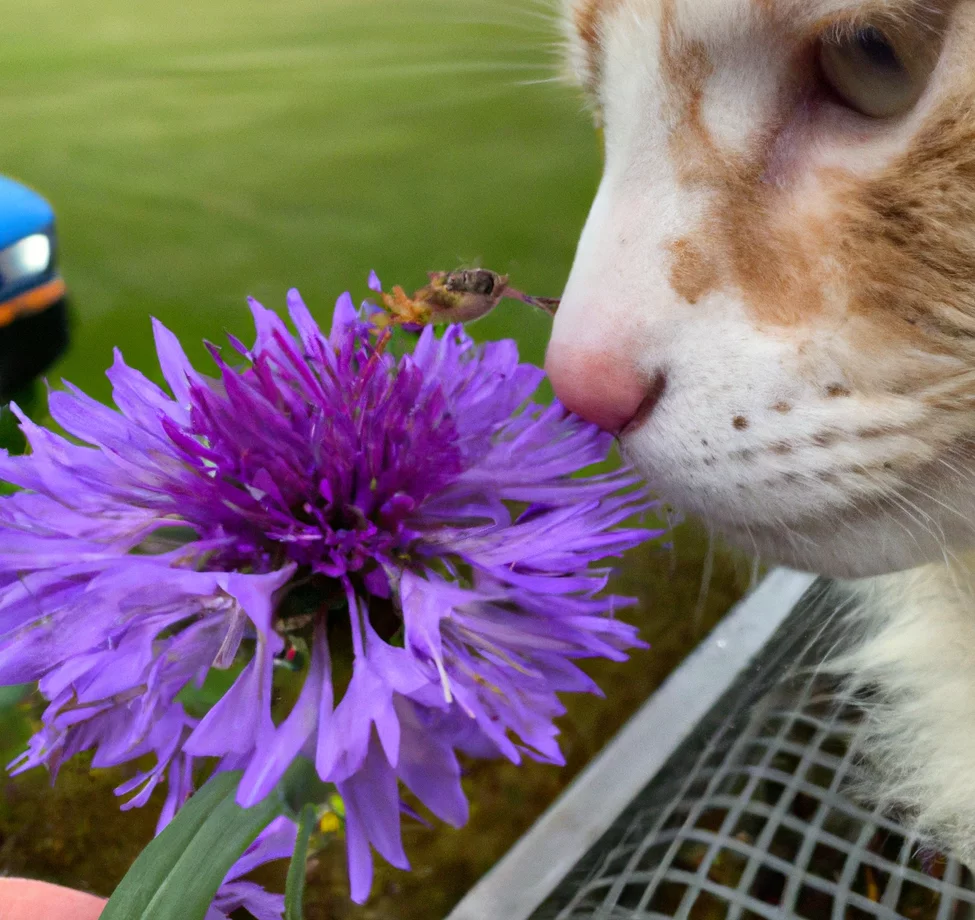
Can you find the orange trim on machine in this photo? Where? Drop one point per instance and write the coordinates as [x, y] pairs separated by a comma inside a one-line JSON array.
[[32, 301]]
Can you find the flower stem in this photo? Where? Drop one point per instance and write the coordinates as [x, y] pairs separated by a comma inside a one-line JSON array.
[[294, 892]]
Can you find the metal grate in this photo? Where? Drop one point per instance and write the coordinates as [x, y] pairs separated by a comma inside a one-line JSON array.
[[751, 817]]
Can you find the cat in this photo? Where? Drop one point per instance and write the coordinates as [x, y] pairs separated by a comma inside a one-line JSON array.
[[772, 306]]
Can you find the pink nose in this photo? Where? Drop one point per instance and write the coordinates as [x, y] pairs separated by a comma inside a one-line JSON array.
[[602, 387]]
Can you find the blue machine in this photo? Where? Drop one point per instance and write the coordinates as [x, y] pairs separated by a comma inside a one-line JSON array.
[[33, 307]]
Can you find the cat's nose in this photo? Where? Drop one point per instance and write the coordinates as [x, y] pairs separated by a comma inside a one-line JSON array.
[[602, 387]]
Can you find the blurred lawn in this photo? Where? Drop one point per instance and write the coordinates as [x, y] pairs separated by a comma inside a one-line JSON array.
[[198, 151]]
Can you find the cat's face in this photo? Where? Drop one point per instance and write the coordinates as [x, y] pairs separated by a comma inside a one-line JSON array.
[[773, 299]]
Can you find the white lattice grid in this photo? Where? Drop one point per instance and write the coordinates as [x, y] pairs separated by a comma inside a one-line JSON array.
[[757, 824]]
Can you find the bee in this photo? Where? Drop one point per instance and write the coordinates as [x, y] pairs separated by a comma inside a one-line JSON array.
[[457, 297]]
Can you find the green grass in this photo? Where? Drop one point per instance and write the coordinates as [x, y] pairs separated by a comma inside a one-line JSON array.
[[199, 151]]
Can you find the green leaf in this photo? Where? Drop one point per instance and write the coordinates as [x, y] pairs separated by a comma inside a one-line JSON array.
[[294, 892], [177, 875]]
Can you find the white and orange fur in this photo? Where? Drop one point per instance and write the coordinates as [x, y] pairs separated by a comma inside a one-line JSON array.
[[773, 303]]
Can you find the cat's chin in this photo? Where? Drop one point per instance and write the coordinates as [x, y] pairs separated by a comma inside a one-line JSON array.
[[830, 555], [842, 550]]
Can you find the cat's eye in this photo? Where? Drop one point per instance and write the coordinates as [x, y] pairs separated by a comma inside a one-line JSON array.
[[875, 73]]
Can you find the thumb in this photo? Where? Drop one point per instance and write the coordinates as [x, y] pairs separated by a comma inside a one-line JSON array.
[[22, 899]]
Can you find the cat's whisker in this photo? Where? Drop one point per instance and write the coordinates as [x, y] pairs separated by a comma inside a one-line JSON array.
[[932, 497], [556, 80], [526, 21], [918, 514], [548, 7], [494, 24], [534, 13], [893, 497], [836, 609], [961, 473], [755, 573], [707, 572]]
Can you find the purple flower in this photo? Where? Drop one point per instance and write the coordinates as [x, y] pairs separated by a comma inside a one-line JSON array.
[[420, 517]]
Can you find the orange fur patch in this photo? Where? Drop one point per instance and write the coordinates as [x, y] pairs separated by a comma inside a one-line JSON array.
[[686, 67], [586, 18], [742, 245], [692, 273], [910, 240]]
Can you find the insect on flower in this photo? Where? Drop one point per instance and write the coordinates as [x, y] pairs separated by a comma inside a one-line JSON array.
[[458, 297]]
